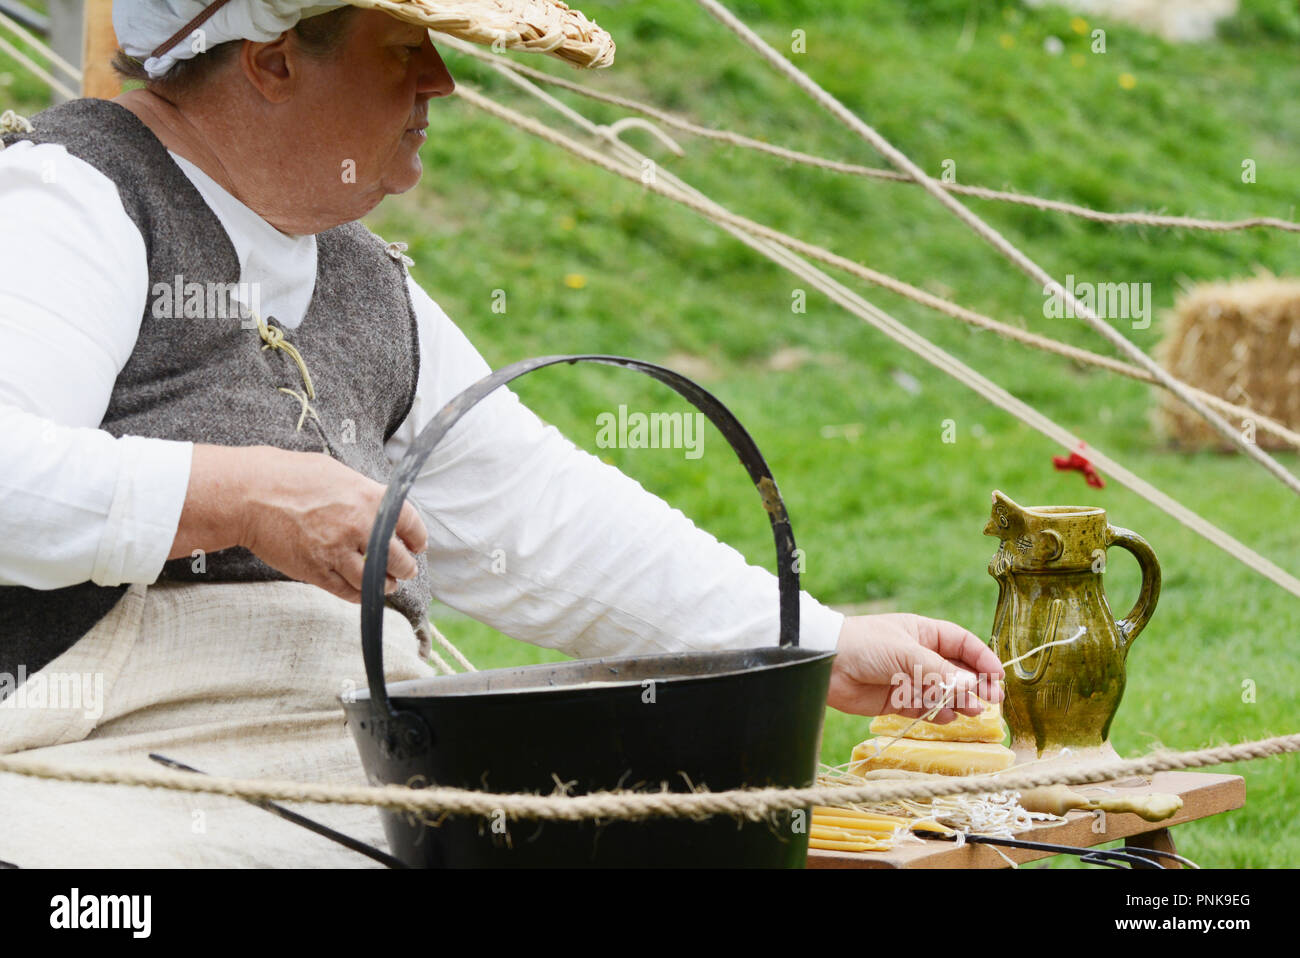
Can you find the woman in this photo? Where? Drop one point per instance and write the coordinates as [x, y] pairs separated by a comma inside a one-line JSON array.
[[198, 474]]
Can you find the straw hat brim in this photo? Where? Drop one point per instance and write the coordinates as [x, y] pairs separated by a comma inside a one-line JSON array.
[[537, 26]]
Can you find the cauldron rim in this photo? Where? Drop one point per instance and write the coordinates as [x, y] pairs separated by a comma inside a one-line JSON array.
[[588, 674]]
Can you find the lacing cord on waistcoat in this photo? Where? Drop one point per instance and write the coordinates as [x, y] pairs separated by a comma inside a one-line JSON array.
[[273, 338], [11, 122], [306, 406]]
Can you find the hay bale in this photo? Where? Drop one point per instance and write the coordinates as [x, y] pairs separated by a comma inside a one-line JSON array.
[[1239, 340], [1178, 21]]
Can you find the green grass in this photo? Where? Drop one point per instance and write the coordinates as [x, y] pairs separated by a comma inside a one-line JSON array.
[[897, 514]]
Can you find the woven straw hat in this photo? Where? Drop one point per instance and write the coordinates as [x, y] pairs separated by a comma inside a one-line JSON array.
[[537, 26]]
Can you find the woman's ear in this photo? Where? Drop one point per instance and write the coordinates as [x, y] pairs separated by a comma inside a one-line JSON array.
[[269, 67]]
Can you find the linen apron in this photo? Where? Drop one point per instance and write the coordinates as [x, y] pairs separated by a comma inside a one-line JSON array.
[[235, 679]]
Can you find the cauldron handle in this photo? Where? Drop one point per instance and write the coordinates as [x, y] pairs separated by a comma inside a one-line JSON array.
[[404, 475]]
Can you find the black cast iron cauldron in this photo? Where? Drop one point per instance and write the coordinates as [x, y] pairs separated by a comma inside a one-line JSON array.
[[721, 720]]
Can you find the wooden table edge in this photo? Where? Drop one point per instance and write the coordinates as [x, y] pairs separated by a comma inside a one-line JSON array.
[[1204, 794]]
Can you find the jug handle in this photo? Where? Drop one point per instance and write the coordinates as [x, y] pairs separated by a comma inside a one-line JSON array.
[[1137, 618]]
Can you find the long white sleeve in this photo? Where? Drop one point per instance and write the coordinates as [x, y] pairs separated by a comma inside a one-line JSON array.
[[527, 533], [549, 544], [75, 503], [78, 505]]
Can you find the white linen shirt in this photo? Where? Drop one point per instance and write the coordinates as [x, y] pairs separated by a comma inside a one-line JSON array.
[[527, 533]]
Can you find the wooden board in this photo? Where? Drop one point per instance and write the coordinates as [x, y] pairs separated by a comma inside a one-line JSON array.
[[1204, 794]]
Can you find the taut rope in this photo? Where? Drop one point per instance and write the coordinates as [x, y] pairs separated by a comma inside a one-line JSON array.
[[41, 47], [924, 298], [754, 234], [995, 239], [36, 70], [871, 172], [754, 804]]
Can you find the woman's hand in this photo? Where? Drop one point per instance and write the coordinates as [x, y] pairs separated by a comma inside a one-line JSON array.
[[302, 513], [881, 658]]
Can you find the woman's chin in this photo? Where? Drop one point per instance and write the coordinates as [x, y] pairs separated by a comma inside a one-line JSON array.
[[407, 178]]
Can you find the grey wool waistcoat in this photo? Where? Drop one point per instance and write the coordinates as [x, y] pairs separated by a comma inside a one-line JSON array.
[[208, 378]]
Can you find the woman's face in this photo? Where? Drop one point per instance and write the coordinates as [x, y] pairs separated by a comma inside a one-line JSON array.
[[368, 106]]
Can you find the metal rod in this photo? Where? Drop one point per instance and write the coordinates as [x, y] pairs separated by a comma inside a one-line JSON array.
[[1124, 855], [1143, 852], [1096, 854], [323, 830], [1094, 859]]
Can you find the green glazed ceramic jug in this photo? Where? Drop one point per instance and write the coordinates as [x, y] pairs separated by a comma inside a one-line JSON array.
[[1049, 571]]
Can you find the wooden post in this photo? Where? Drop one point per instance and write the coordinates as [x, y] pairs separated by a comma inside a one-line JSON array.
[[100, 43]]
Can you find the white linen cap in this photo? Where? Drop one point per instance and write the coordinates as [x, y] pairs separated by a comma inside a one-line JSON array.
[[143, 25]]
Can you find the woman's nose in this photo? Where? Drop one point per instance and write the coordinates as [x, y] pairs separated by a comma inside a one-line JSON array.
[[435, 78]]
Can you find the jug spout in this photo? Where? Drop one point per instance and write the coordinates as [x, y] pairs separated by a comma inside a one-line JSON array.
[[1003, 509], [1048, 538], [1032, 538]]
